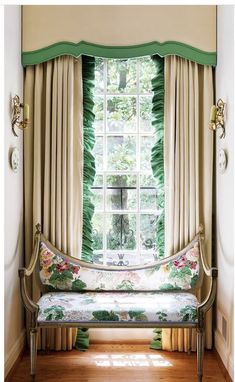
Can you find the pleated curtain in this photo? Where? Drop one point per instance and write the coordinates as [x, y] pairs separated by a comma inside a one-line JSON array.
[[188, 161], [53, 167]]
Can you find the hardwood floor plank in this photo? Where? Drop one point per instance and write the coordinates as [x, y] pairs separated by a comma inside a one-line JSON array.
[[115, 363]]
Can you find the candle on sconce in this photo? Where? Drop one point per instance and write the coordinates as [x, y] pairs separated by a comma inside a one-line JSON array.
[[213, 113], [26, 111]]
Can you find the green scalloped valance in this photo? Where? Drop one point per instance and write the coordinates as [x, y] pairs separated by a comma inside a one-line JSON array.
[[148, 49]]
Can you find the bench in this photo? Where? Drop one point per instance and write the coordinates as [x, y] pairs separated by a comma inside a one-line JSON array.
[[84, 295]]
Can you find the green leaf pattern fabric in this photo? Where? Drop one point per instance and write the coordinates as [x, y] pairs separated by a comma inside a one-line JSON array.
[[157, 158], [88, 83], [118, 306]]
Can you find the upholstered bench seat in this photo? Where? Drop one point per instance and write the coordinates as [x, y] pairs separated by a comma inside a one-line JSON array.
[[117, 306]]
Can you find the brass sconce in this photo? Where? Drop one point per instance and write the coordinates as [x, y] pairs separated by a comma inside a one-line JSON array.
[[217, 118], [16, 112]]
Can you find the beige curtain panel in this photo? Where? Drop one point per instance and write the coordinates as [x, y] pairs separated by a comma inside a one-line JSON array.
[[53, 166], [188, 171]]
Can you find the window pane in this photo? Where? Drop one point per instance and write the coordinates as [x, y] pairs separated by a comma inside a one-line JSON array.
[[121, 231], [121, 76], [98, 198], [147, 231], [146, 113], [147, 180], [99, 114], [121, 180], [121, 114], [98, 181], [98, 153], [121, 199], [97, 233], [146, 144], [99, 76], [121, 153], [98, 258], [121, 192], [148, 198], [147, 72], [146, 258]]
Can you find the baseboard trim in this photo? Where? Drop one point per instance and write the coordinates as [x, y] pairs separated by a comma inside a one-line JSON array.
[[225, 358], [15, 354]]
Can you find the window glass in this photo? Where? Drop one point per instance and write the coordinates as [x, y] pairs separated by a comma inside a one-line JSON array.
[[124, 190]]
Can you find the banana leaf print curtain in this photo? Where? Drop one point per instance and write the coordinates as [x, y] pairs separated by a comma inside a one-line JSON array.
[[157, 158], [88, 81], [58, 165], [157, 164]]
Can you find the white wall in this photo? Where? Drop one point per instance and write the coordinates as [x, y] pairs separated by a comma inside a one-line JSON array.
[[13, 251], [225, 186]]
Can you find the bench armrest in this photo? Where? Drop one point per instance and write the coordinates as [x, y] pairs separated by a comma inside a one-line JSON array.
[[28, 303], [23, 272], [211, 272], [208, 301], [33, 260]]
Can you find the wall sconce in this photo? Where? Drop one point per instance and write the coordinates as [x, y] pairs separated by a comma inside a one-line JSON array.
[[217, 118], [16, 112]]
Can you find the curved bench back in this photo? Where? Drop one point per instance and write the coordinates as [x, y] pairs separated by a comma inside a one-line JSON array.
[[61, 272]]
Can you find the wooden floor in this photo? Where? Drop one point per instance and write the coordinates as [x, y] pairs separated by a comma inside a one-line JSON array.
[[116, 363]]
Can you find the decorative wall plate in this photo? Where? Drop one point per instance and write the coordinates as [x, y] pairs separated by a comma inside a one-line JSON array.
[[222, 161], [15, 159]]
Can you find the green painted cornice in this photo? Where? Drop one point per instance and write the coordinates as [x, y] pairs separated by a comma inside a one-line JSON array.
[[148, 49]]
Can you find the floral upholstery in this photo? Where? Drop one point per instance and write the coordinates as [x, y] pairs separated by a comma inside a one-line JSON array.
[[60, 273], [118, 306]]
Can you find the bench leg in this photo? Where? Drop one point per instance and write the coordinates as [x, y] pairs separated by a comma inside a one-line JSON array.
[[33, 351], [200, 353]]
